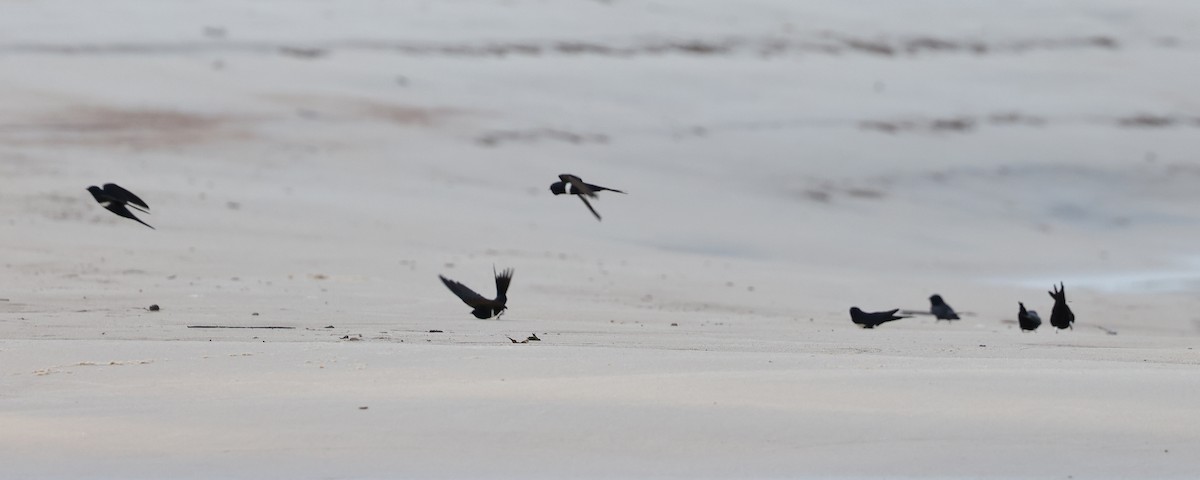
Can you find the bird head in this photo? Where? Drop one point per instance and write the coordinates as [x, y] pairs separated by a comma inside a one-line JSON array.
[[936, 300], [97, 194], [558, 188]]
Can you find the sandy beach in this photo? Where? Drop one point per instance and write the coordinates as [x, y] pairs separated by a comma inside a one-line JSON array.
[[315, 166]]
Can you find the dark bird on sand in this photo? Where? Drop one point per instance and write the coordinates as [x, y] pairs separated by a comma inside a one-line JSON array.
[[117, 200], [873, 319], [940, 309], [484, 307], [571, 185], [1061, 316], [1028, 319]]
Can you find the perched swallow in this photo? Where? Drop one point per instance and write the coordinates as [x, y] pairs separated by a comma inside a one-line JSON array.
[[483, 307], [873, 319], [1061, 316], [1028, 319], [115, 199], [939, 309], [571, 185]]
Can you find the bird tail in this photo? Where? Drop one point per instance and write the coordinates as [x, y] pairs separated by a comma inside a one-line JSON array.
[[597, 188], [503, 280], [1059, 293]]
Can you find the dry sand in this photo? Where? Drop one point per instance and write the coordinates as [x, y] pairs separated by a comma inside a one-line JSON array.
[[316, 166]]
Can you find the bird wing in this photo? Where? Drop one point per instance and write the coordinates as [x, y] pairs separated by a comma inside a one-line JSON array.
[[464, 293], [576, 182], [589, 205], [944, 311], [115, 191], [503, 280], [119, 209]]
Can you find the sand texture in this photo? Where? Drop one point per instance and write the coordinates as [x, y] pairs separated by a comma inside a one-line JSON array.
[[316, 165]]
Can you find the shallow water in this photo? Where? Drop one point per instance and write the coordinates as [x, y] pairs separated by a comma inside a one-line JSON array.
[[1183, 278]]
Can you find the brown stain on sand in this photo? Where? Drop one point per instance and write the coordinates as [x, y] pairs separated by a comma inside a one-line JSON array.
[[101, 126]]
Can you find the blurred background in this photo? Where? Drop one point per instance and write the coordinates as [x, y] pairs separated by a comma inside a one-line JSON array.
[[782, 158]]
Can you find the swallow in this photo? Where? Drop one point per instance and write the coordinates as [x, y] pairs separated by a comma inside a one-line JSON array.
[[1061, 316], [1028, 319], [483, 307], [116, 200], [873, 319], [571, 185], [939, 309]]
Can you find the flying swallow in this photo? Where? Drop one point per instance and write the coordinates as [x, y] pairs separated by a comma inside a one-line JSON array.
[[873, 319], [939, 309], [1028, 319], [116, 200], [572, 185], [1061, 316], [483, 307]]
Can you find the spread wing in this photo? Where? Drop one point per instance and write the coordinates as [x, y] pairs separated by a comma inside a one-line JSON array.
[[589, 205], [115, 191], [467, 295], [580, 187]]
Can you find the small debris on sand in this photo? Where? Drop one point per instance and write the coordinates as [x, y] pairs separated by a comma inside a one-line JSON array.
[[533, 338], [511, 339], [435, 331], [238, 326], [153, 308]]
